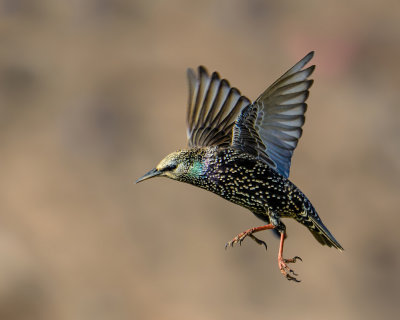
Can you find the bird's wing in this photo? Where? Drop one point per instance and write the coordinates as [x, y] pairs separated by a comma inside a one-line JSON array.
[[212, 109], [270, 128]]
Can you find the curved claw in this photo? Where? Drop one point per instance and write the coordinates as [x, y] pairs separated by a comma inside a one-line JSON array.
[[292, 272], [293, 260], [290, 278], [240, 237], [286, 271], [258, 241], [228, 244]]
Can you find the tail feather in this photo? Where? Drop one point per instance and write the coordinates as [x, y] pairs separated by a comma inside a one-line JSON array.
[[327, 240], [322, 234], [312, 221]]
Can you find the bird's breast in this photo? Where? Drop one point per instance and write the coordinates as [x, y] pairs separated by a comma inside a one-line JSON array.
[[248, 183]]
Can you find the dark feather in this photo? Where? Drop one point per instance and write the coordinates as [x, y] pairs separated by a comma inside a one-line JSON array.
[[273, 134], [212, 109]]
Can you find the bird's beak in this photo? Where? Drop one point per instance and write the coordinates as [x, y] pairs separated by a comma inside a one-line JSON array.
[[152, 173]]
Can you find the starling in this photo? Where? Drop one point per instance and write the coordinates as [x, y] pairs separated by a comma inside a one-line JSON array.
[[242, 150]]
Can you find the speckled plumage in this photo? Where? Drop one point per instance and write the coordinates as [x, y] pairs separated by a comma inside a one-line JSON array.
[[242, 151]]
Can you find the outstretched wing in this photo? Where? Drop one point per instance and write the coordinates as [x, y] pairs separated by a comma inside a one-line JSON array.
[[270, 128], [212, 109]]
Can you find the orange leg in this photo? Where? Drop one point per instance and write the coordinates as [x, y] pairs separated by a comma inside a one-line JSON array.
[[241, 236], [282, 263]]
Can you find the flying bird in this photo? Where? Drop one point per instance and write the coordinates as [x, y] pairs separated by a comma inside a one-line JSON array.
[[242, 151]]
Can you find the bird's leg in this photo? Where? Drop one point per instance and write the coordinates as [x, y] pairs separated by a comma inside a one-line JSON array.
[[282, 263], [241, 236]]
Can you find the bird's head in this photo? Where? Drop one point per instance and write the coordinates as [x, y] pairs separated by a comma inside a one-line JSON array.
[[182, 165]]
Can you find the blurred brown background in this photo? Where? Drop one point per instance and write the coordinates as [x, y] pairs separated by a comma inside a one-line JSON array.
[[93, 94]]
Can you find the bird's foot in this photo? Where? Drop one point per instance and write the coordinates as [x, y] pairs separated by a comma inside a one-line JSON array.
[[238, 239], [241, 236], [285, 270], [258, 241]]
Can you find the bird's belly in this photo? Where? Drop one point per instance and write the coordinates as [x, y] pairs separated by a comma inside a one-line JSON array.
[[253, 204], [254, 186], [259, 199]]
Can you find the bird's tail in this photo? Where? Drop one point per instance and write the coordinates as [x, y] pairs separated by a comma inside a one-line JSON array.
[[312, 221]]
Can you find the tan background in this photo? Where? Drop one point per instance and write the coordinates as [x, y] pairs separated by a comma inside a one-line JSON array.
[[93, 94]]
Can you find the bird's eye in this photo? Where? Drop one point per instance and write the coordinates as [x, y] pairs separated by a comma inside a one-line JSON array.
[[170, 167]]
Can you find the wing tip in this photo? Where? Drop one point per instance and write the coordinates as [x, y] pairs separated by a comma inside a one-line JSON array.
[[202, 71], [309, 55], [190, 72], [215, 76], [306, 59]]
